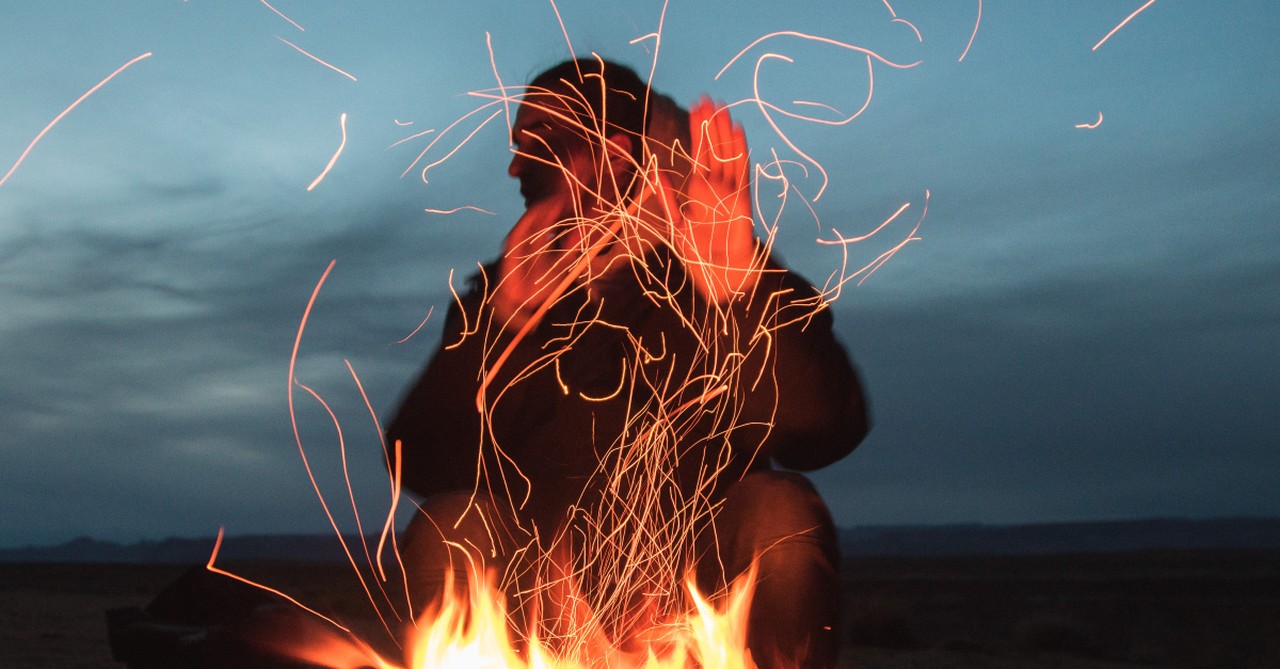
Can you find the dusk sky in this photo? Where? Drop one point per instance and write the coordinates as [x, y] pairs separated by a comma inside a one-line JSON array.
[[1085, 329]]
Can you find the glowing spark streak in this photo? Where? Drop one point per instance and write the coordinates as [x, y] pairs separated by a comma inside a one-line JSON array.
[[783, 136], [815, 38], [975, 32], [394, 468], [1121, 25], [355, 509], [565, 31], [342, 122], [420, 325], [911, 237], [468, 329], [389, 528], [653, 63], [66, 111], [1091, 126], [399, 123], [297, 436], [295, 25], [451, 126], [912, 26], [551, 298], [458, 209], [898, 20], [852, 240], [308, 55], [414, 136], [765, 106], [217, 545], [816, 104], [502, 89], [457, 148]]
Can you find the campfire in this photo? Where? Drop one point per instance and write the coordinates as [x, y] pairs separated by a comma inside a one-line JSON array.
[[617, 584]]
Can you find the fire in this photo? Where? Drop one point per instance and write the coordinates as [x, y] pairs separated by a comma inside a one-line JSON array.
[[472, 631]]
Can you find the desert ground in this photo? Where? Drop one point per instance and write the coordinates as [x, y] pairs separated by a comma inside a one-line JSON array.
[[1167, 609]]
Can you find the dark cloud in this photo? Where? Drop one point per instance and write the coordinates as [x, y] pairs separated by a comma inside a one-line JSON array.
[[1085, 330]]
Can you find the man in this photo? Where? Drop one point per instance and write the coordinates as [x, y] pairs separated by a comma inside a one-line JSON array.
[[612, 393]]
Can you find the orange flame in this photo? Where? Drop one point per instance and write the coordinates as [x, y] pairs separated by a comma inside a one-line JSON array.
[[471, 630]]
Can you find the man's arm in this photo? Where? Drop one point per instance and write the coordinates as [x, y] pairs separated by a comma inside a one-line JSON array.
[[437, 421], [798, 378], [818, 414]]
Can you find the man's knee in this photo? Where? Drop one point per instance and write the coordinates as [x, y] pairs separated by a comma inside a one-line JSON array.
[[455, 535], [770, 508], [777, 521]]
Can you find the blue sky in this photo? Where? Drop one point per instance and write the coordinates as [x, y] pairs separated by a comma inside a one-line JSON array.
[[1086, 328]]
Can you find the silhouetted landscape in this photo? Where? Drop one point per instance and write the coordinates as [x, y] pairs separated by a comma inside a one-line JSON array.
[[890, 540], [1164, 593]]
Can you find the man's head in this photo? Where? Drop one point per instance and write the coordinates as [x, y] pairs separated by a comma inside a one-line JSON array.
[[579, 131]]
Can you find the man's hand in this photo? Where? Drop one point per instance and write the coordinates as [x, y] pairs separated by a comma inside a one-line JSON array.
[[712, 230], [532, 263]]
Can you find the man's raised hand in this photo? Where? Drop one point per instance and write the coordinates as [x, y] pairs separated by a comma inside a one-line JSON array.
[[712, 229]]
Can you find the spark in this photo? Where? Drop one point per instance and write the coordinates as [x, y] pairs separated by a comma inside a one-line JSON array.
[[342, 123], [896, 19], [455, 149], [458, 209], [446, 131], [302, 452], [401, 123], [502, 89], [1091, 126], [308, 55], [565, 31], [912, 26], [66, 111], [851, 240], [393, 469], [975, 33], [410, 138], [832, 293], [281, 14], [420, 326], [213, 557], [1122, 23], [815, 38], [767, 109]]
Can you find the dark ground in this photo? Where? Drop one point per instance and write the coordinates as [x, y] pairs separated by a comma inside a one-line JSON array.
[[1160, 609]]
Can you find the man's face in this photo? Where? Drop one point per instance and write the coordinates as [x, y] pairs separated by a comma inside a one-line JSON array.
[[553, 155]]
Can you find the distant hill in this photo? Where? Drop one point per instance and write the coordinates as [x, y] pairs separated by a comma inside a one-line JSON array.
[[295, 547], [896, 540], [1120, 536]]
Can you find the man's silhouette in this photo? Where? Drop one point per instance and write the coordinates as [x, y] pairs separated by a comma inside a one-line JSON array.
[[612, 394]]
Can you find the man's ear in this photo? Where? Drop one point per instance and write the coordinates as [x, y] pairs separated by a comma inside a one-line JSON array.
[[619, 147]]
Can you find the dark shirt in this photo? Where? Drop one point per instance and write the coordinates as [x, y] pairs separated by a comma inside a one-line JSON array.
[[638, 361]]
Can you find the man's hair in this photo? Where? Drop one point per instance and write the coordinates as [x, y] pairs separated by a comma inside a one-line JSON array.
[[606, 97]]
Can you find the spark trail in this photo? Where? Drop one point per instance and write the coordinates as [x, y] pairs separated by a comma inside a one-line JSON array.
[[1120, 25], [66, 111]]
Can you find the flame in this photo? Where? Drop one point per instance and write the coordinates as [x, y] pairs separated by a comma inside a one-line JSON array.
[[472, 630]]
